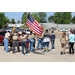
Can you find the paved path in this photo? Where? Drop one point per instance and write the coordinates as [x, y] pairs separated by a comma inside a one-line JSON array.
[[37, 56]]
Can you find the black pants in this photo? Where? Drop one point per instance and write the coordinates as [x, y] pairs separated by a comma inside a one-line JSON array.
[[71, 47]]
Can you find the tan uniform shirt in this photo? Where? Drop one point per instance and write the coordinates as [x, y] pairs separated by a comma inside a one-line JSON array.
[[23, 38], [41, 36], [32, 36]]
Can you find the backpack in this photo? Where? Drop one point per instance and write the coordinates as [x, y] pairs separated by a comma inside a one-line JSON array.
[[15, 36]]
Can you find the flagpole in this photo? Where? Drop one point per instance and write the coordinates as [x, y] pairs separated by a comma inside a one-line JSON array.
[[29, 13]]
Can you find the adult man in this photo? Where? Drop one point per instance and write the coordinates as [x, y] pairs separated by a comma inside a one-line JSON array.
[[40, 41], [15, 41], [6, 40], [31, 38]]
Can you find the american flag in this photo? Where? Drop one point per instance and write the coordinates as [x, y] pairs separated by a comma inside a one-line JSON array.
[[34, 25]]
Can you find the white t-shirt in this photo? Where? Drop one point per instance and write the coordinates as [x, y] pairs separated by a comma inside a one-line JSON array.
[[46, 37], [46, 40], [7, 35]]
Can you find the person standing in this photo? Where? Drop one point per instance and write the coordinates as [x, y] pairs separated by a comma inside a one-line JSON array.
[[16, 41], [23, 42], [6, 40], [63, 42], [40, 41], [46, 40], [31, 38], [74, 35], [53, 40], [27, 38], [69, 32], [71, 40]]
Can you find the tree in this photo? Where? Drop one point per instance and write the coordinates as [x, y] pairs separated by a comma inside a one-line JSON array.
[[18, 21], [43, 17], [73, 20], [66, 17], [57, 17], [3, 20], [62, 17], [36, 16], [51, 19], [12, 21], [24, 17]]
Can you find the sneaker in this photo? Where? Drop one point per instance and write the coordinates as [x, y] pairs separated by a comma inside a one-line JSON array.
[[27, 54], [61, 53], [43, 51], [22, 54], [47, 51], [18, 51], [13, 52], [7, 51], [53, 49]]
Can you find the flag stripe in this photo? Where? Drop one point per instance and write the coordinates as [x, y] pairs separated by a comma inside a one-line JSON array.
[[34, 30], [37, 26], [34, 25]]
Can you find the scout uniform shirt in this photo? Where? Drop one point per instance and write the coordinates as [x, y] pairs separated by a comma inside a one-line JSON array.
[[23, 38], [32, 36], [41, 37]]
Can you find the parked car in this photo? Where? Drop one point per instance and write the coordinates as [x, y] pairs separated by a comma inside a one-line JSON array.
[[67, 30], [63, 30], [22, 30], [28, 31], [1, 37], [60, 30], [52, 28]]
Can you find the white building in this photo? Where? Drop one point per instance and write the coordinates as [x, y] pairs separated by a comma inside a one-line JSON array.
[[16, 25]]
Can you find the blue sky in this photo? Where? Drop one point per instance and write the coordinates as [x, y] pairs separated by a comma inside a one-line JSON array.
[[17, 15]]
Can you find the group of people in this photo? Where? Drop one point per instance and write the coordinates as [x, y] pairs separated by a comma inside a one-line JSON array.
[[70, 39], [29, 40]]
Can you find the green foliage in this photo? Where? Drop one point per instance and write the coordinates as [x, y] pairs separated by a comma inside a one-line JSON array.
[[73, 20], [24, 17], [12, 21], [40, 17], [61, 18], [51, 19], [43, 17], [36, 16], [3, 20], [66, 17]]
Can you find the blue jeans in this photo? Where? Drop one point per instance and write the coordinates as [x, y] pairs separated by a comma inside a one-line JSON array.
[[24, 45], [46, 43], [40, 41], [31, 44], [52, 42], [6, 41]]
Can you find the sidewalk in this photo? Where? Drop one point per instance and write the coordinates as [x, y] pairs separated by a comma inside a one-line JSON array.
[[37, 56]]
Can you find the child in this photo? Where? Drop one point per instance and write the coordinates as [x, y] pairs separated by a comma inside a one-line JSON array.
[[52, 40], [63, 43], [27, 42], [46, 40]]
